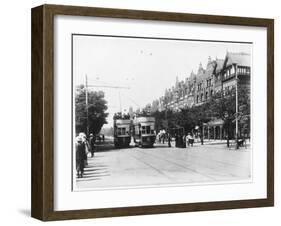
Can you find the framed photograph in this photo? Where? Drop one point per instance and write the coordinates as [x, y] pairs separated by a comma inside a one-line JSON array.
[[142, 112]]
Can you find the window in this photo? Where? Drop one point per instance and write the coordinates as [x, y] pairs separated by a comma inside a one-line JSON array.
[[199, 86], [227, 90], [232, 70], [147, 129], [121, 131]]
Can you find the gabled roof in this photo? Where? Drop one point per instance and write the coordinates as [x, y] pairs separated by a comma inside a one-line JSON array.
[[200, 69], [192, 75], [242, 59], [210, 68], [219, 65], [204, 74]]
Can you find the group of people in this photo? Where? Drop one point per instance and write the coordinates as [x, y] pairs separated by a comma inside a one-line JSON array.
[[83, 146], [184, 140], [180, 140]]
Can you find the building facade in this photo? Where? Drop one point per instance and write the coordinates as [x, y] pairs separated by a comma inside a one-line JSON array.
[[219, 77]]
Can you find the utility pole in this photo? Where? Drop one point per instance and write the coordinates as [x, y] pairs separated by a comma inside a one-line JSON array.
[[120, 104], [86, 88], [236, 117], [87, 105]]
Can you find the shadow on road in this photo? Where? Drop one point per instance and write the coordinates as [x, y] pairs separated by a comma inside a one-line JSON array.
[[108, 146]]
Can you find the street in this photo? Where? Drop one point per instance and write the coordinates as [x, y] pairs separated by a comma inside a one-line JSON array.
[[161, 165]]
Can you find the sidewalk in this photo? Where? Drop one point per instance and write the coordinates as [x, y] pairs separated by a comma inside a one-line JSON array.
[[232, 143], [220, 143]]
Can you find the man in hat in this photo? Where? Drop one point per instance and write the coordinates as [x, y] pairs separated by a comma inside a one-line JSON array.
[[92, 144], [80, 156]]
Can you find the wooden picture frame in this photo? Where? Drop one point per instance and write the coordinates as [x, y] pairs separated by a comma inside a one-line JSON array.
[[43, 112]]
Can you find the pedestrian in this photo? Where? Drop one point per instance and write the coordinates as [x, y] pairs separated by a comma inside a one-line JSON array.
[[190, 140], [92, 145], [159, 136], [169, 140], [87, 147], [183, 141], [163, 136], [201, 138], [80, 156], [186, 139]]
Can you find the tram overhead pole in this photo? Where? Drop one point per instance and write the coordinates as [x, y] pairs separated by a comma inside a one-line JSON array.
[[87, 86]]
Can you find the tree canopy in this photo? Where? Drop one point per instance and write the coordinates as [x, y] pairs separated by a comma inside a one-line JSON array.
[[97, 107]]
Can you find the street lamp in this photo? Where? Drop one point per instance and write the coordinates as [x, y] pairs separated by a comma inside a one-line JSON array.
[[226, 116]]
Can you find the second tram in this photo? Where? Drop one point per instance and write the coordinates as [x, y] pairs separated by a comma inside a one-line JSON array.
[[144, 131]]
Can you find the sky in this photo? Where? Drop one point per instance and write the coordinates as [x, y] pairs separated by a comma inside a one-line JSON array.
[[142, 68]]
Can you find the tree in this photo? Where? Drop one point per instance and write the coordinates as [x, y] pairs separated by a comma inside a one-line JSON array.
[[97, 107], [224, 107]]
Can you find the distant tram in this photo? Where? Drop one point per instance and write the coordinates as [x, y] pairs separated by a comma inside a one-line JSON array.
[[144, 131], [122, 133]]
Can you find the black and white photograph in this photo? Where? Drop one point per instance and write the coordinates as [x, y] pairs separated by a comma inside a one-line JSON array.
[[153, 112]]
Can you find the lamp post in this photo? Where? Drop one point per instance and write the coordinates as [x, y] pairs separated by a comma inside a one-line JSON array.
[[226, 117], [87, 105]]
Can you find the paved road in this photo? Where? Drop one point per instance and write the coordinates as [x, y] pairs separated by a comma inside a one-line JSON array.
[[162, 165]]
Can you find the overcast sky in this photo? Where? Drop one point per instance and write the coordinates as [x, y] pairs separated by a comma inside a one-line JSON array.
[[146, 66]]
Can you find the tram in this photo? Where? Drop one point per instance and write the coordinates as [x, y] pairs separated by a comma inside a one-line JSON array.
[[143, 130], [122, 133]]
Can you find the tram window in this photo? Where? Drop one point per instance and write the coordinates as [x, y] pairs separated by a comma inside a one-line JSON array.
[[119, 131], [148, 129], [143, 129], [123, 131]]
